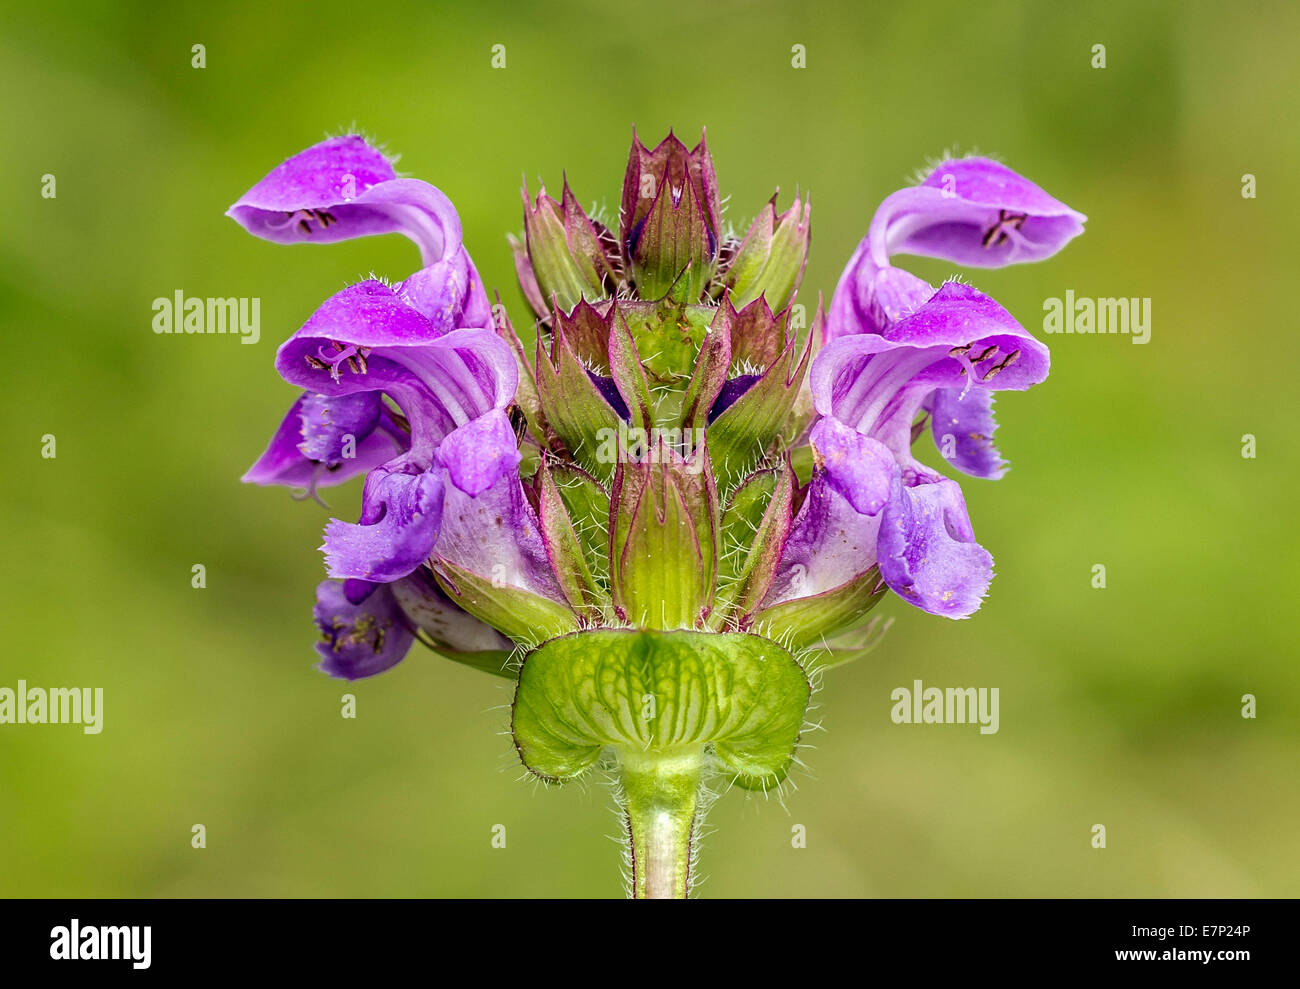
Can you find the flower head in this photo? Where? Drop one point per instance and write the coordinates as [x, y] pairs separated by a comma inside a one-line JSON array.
[[688, 485], [669, 401]]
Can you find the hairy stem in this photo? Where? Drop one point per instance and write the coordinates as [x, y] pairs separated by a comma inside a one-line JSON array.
[[662, 804]]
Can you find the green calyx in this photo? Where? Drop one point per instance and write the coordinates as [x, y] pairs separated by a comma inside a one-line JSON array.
[[663, 543], [566, 249], [516, 612], [770, 260]]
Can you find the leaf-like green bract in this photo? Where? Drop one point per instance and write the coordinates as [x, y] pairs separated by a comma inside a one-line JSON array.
[[738, 697]]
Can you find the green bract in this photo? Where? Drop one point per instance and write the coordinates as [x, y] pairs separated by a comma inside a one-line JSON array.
[[735, 700]]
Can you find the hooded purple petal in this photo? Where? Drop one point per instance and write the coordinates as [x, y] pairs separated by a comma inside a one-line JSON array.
[[449, 294], [927, 550], [959, 339], [400, 515], [335, 351], [343, 188], [963, 430], [368, 338], [372, 314], [974, 211], [360, 639], [959, 315]]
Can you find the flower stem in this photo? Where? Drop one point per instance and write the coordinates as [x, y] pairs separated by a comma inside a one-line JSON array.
[[662, 804]]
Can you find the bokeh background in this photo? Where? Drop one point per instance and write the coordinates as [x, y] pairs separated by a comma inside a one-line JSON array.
[[1119, 706]]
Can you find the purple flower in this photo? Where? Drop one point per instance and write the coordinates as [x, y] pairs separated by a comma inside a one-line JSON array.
[[407, 383], [360, 637], [343, 188], [368, 628], [452, 388], [336, 190], [947, 356], [898, 349], [973, 211], [325, 441]]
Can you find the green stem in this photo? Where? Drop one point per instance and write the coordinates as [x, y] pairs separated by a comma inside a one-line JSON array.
[[662, 795]]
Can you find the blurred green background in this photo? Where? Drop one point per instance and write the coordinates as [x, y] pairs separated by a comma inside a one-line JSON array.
[[1118, 706]]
